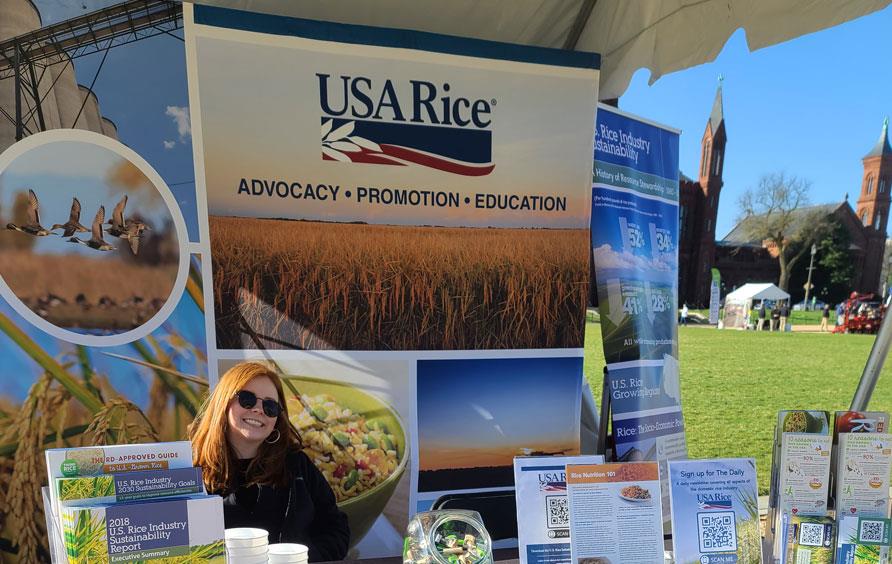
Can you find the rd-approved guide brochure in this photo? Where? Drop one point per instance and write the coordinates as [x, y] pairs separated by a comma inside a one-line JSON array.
[[543, 514], [615, 513]]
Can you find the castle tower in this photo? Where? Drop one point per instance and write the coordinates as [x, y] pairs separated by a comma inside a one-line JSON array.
[[712, 162], [873, 204], [873, 207]]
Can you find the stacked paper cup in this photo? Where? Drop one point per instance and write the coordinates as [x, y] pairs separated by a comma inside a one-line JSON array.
[[247, 546], [287, 553]]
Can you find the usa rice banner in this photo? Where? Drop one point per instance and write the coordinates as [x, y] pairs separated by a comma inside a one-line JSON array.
[[399, 221], [634, 228]]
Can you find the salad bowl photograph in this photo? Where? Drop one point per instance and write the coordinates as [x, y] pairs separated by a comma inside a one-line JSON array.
[[357, 441]]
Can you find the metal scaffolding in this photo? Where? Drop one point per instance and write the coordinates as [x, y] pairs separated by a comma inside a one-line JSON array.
[[27, 58]]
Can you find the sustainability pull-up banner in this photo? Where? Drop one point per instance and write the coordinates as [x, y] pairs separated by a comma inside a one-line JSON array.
[[400, 222], [635, 248]]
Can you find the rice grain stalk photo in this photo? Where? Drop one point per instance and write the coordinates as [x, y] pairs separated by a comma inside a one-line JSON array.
[[85, 537]]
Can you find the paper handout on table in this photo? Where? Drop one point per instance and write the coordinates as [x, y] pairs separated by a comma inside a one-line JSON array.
[[715, 511], [169, 531], [129, 486], [804, 474], [543, 515], [616, 512], [862, 474], [863, 540]]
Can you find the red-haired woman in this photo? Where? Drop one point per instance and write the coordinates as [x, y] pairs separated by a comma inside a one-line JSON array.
[[250, 454]]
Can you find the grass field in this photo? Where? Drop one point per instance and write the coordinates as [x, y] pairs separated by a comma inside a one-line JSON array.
[[369, 287], [734, 383]]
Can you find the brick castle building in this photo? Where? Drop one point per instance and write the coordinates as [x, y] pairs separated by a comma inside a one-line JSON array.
[[740, 259]]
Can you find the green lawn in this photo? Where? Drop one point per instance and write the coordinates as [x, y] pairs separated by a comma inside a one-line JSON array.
[[734, 383]]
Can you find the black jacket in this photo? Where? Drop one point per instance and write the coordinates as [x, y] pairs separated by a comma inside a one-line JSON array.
[[310, 513]]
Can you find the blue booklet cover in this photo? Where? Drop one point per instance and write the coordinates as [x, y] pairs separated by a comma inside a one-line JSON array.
[[715, 511]]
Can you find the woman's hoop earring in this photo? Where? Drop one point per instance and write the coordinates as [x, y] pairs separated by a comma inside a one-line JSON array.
[[278, 436]]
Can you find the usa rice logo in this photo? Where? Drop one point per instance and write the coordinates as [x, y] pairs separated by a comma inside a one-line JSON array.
[[364, 121], [552, 482], [707, 502]]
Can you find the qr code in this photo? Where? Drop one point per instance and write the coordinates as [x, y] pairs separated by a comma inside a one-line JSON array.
[[871, 531], [558, 510], [811, 534], [717, 531]]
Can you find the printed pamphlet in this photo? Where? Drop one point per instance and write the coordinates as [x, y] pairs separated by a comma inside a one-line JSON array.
[[129, 486], [543, 513], [862, 474], [863, 540], [615, 513], [169, 531], [812, 540], [715, 511]]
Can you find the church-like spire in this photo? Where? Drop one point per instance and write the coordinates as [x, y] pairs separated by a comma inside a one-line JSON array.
[[882, 147], [718, 115]]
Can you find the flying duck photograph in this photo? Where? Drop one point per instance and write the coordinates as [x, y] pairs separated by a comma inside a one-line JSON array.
[[65, 272]]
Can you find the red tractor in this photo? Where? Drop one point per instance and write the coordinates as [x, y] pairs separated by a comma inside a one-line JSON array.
[[862, 313]]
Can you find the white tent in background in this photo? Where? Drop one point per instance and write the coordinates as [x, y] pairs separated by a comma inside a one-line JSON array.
[[739, 303]]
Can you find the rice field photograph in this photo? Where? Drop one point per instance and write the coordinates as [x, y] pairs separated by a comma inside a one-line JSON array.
[[468, 434], [293, 284], [56, 394], [88, 242]]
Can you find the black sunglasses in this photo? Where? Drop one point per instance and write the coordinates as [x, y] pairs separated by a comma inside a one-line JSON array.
[[248, 400]]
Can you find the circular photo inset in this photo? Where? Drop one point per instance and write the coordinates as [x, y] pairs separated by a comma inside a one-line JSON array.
[[90, 238]]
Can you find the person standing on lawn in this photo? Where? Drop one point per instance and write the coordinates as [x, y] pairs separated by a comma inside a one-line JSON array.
[[761, 324], [784, 314], [825, 317], [775, 318], [684, 314]]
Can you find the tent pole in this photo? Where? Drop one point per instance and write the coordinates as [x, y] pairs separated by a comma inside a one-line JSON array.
[[874, 365]]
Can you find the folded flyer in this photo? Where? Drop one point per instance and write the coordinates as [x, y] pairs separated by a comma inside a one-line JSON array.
[[813, 422], [129, 486], [863, 540], [715, 511], [543, 514], [804, 475], [862, 474], [615, 513], [170, 531]]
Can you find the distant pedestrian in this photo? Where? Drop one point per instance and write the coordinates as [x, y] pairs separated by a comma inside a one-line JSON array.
[[775, 318], [684, 314], [784, 314], [840, 313], [761, 324], [825, 317]]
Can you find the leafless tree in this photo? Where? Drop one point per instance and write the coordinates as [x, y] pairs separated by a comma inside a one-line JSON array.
[[777, 213]]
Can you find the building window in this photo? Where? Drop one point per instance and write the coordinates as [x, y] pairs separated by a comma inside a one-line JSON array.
[[718, 163], [879, 220], [864, 217], [883, 185], [869, 184], [704, 166], [709, 226]]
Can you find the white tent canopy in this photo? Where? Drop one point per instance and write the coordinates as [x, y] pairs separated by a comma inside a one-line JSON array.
[[760, 291], [661, 35]]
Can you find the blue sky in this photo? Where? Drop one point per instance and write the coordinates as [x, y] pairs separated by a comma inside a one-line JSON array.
[[811, 107], [142, 88]]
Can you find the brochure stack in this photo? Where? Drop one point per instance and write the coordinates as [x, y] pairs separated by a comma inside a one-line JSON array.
[[131, 503], [830, 508]]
